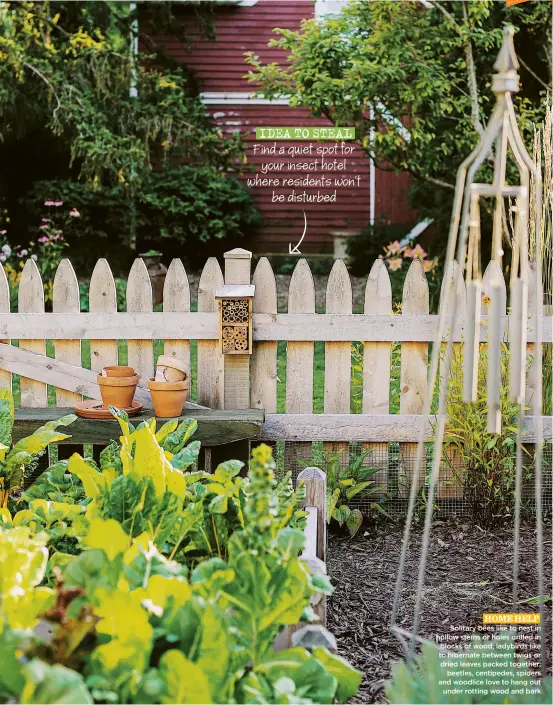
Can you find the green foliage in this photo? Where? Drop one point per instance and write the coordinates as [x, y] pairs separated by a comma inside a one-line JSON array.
[[421, 683], [382, 66], [343, 483], [189, 203], [21, 458], [111, 127], [487, 467], [131, 625]]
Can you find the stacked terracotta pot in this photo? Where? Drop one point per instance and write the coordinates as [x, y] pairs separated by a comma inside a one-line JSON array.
[[170, 387], [117, 386]]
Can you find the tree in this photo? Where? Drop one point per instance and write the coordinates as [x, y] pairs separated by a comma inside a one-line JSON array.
[[71, 85], [416, 76]]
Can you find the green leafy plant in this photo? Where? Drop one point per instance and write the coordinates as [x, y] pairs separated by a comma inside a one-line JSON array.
[[343, 483], [19, 459], [131, 625], [482, 463], [424, 681]]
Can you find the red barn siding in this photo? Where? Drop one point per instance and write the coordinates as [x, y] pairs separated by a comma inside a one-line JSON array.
[[220, 68], [283, 222]]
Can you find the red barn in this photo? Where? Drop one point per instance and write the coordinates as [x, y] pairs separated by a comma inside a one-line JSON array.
[[247, 25]]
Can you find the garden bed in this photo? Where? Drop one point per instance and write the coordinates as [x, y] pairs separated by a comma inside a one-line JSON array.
[[468, 572]]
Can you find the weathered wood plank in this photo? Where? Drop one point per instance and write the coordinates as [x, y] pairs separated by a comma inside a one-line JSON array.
[[31, 300], [176, 299], [299, 362], [376, 428], [237, 367], [376, 368], [414, 370], [450, 479], [210, 360], [264, 357], [214, 427], [337, 385], [102, 302], [5, 376], [66, 300], [139, 298], [60, 374], [291, 327]]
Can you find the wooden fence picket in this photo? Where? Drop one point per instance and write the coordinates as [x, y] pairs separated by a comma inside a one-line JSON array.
[[299, 362], [140, 299], [210, 360], [376, 367], [5, 376], [414, 367], [494, 304], [337, 388], [264, 357], [102, 299], [176, 298], [66, 299], [450, 484], [31, 300]]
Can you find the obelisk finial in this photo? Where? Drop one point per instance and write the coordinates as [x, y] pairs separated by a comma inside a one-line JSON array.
[[506, 65]]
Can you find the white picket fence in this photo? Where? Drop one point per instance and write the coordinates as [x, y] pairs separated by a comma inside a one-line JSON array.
[[242, 381]]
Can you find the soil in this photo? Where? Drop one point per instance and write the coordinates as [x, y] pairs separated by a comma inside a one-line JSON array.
[[469, 571]]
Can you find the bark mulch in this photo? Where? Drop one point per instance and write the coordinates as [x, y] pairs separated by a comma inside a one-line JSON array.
[[469, 571]]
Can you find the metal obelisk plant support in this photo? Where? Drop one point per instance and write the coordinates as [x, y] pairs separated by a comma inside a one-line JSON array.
[[464, 245]]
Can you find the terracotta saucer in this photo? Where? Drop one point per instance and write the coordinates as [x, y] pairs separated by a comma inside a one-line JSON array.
[[93, 409]]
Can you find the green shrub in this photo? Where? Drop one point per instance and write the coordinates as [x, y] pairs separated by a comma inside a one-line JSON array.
[[189, 211], [487, 461]]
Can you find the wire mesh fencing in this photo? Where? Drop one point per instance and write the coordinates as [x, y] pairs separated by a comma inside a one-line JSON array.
[[389, 468]]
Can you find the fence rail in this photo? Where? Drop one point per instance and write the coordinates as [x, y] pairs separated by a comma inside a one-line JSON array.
[[251, 381]]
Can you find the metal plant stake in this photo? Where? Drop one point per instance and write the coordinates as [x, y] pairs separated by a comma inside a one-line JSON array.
[[500, 136]]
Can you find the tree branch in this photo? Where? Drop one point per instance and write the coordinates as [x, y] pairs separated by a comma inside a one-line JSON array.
[[47, 82], [532, 73], [469, 58]]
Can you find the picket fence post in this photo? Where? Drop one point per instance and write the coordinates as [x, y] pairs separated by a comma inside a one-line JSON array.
[[376, 367], [140, 299], [337, 389], [450, 485], [264, 357], [176, 298], [210, 360], [102, 299], [414, 369], [299, 362], [31, 300]]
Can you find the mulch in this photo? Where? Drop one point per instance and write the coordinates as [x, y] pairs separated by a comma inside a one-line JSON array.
[[469, 571]]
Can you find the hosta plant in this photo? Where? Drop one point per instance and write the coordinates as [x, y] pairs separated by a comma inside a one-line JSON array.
[[19, 459], [343, 483]]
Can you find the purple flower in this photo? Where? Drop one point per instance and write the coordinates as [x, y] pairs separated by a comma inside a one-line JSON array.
[[57, 204], [23, 253], [3, 232], [49, 203], [2, 258], [43, 227], [46, 220], [43, 239]]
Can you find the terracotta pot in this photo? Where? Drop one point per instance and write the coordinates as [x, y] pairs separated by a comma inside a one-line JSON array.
[[119, 371], [171, 369], [168, 398], [117, 391]]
